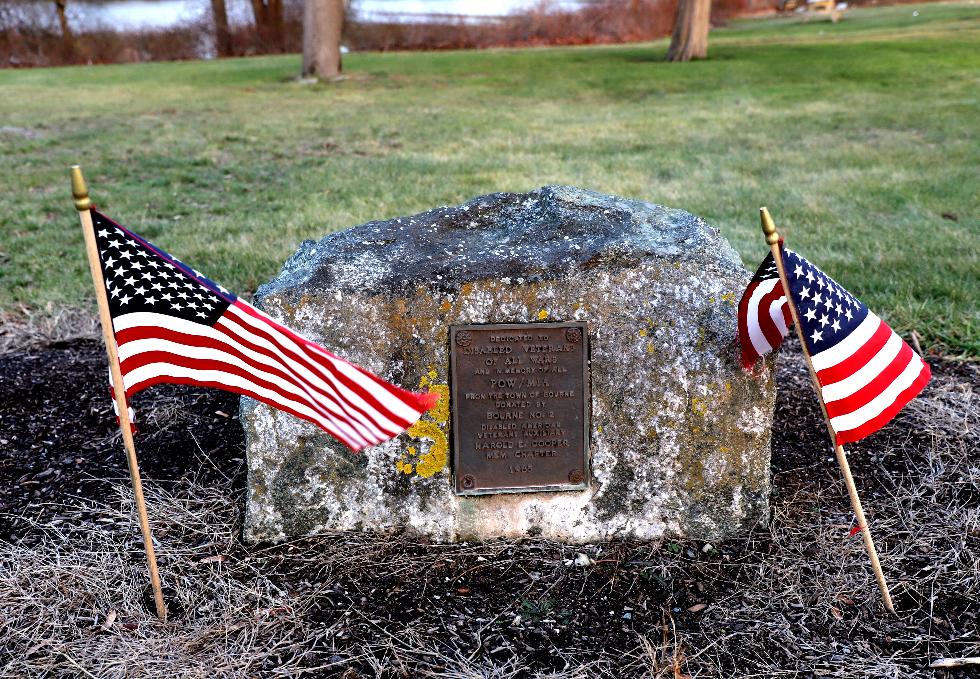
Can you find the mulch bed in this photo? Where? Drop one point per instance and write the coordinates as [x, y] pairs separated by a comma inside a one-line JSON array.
[[793, 598], [60, 438]]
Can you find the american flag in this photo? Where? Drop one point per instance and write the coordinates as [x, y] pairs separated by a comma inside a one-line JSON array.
[[171, 324], [866, 372]]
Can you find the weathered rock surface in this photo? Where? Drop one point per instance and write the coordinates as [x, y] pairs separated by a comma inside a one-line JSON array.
[[679, 434]]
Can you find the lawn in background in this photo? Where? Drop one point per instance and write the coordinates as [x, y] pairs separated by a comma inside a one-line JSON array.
[[860, 137]]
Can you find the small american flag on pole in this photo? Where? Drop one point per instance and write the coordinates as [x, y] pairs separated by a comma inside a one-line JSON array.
[[171, 324], [866, 372]]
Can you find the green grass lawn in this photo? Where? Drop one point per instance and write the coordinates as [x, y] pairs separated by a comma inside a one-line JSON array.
[[858, 136]]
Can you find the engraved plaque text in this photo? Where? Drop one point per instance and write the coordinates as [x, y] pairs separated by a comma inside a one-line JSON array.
[[520, 397]]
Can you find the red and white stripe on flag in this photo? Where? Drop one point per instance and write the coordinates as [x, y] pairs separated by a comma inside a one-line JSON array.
[[764, 317], [174, 325], [247, 352], [867, 378]]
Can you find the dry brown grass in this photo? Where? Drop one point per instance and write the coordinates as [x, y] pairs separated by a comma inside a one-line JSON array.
[[793, 599], [27, 327]]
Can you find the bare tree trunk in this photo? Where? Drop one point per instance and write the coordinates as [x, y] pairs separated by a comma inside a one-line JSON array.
[[323, 26], [222, 36], [276, 32], [690, 38], [268, 23], [258, 11], [67, 38]]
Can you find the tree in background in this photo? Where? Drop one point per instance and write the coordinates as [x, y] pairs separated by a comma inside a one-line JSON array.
[[222, 35], [323, 26], [690, 37], [268, 24], [67, 38]]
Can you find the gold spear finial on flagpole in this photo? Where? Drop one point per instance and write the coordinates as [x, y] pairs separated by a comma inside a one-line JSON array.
[[79, 189], [772, 238], [768, 227], [84, 205]]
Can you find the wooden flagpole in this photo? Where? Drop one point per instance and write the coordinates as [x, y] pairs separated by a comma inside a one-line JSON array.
[[82, 203], [772, 238]]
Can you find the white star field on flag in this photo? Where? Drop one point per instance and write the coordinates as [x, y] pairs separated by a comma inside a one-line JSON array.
[[139, 277], [827, 311]]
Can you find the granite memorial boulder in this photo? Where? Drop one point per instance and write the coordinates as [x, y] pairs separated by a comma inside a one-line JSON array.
[[583, 347]]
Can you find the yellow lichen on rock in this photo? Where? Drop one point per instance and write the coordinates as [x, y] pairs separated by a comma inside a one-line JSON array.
[[699, 406], [435, 459], [440, 411], [427, 378], [403, 466]]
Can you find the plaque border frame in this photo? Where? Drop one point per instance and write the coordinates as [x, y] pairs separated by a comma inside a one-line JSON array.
[[586, 415]]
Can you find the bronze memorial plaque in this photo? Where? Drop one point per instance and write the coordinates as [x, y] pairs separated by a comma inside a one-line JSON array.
[[520, 407]]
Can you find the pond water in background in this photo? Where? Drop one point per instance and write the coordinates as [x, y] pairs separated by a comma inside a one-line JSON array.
[[125, 15], [150, 14]]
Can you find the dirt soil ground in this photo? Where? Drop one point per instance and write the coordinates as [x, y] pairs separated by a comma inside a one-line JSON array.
[[795, 598]]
